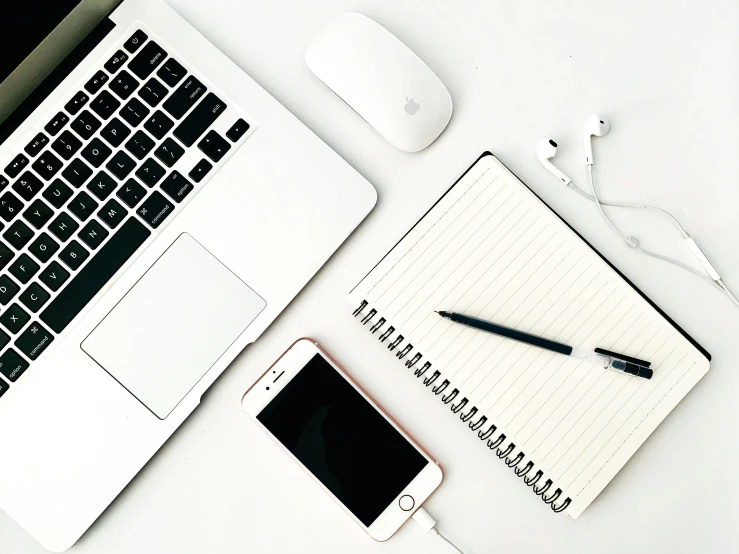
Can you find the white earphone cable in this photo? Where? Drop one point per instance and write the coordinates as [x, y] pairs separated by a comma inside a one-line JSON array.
[[630, 241]]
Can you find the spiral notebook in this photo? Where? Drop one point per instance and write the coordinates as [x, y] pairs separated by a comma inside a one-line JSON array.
[[492, 249]]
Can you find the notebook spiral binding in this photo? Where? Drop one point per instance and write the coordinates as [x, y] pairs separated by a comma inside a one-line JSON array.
[[449, 397]]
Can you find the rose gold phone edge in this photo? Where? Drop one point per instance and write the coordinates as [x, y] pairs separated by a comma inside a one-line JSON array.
[[433, 463]]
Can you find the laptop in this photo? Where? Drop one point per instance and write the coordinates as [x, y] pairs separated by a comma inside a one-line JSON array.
[[158, 210]]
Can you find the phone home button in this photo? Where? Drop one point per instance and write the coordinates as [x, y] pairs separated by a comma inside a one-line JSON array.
[[406, 503]]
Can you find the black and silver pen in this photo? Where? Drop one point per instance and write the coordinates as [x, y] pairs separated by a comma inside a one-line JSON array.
[[609, 360]]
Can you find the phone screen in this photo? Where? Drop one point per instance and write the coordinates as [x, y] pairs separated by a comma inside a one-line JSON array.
[[342, 439]]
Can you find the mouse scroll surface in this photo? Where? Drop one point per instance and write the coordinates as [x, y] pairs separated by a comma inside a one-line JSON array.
[[382, 80], [173, 325]]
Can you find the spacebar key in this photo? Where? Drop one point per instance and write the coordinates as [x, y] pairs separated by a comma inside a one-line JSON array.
[[93, 276]]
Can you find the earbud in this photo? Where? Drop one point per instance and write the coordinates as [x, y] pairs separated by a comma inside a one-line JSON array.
[[597, 126], [546, 149]]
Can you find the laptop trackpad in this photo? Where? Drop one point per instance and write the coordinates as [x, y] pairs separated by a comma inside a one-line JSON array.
[[173, 325]]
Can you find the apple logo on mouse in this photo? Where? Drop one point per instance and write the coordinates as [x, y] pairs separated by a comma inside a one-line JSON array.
[[411, 106]]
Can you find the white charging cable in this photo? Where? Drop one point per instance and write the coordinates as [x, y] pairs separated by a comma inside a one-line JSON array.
[[713, 276], [427, 523]]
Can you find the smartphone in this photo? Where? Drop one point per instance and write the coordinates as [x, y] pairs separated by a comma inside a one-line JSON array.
[[349, 445]]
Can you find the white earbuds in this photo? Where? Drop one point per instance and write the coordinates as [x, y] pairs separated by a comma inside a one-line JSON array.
[[597, 126], [546, 149]]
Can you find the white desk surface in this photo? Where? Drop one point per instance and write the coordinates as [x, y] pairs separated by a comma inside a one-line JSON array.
[[666, 74]]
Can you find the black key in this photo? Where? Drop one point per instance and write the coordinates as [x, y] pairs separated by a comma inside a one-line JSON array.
[[121, 165], [214, 146], [86, 124], [85, 285], [10, 206], [134, 112], [176, 186], [124, 85], [93, 234], [36, 145], [44, 247], [6, 254], [76, 173], [200, 170], [150, 172], [23, 268], [237, 130], [153, 92], [66, 145], [96, 152], [202, 117], [28, 186], [3, 183], [38, 214], [14, 318], [115, 132], [140, 145], [116, 62], [112, 213], [11, 364], [135, 42], [18, 234], [97, 82], [63, 226], [159, 125], [82, 206], [57, 193], [3, 387], [76, 103], [54, 276], [147, 60], [34, 297], [155, 209], [8, 289], [171, 72], [102, 185], [184, 97], [73, 255], [33, 341], [56, 124], [131, 193], [105, 104], [169, 152], [47, 165], [16, 166]]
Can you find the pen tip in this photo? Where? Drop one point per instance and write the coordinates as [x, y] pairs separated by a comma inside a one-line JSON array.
[[436, 311]]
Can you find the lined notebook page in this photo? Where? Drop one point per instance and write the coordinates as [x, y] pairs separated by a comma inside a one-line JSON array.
[[492, 250]]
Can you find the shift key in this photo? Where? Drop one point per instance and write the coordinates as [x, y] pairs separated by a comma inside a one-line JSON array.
[[34, 340], [202, 117], [184, 97]]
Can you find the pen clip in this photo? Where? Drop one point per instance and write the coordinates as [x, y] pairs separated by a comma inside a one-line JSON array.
[[623, 357]]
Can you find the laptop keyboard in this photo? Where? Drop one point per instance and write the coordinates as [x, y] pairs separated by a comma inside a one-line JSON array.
[[89, 189]]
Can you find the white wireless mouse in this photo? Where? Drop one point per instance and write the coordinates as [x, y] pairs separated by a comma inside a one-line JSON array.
[[381, 79]]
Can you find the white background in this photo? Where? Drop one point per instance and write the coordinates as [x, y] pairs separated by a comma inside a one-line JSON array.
[[667, 75]]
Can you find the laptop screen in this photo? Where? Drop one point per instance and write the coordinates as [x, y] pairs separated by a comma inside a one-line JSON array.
[[23, 25], [35, 37]]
